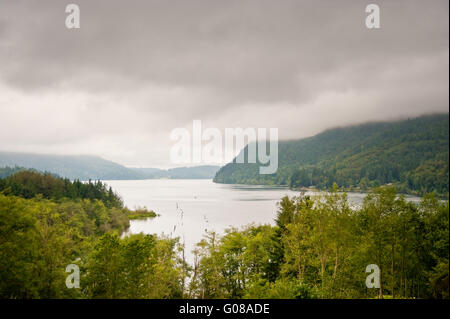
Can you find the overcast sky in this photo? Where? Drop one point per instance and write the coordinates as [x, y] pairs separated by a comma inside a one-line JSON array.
[[135, 70]]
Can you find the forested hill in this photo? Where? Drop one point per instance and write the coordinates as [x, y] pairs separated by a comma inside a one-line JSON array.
[[85, 167], [412, 154], [81, 167]]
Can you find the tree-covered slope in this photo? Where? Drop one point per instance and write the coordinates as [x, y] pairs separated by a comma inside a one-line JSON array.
[[81, 167], [48, 223], [8, 171], [29, 184], [85, 167], [412, 154]]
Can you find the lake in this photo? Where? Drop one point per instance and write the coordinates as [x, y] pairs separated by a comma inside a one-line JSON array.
[[190, 207]]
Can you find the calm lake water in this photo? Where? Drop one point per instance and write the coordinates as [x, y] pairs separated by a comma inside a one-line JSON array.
[[190, 207]]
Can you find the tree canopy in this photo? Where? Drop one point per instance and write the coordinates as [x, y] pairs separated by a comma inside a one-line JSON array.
[[411, 154]]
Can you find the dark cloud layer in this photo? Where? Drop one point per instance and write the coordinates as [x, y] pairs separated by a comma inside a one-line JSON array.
[[301, 66]]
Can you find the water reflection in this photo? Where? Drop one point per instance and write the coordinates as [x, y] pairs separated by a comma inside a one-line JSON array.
[[188, 208]]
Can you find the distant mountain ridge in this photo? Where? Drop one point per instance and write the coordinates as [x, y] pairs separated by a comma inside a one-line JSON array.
[[85, 167], [413, 154], [196, 172]]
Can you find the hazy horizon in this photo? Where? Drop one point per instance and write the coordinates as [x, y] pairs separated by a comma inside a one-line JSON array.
[[168, 166], [133, 72]]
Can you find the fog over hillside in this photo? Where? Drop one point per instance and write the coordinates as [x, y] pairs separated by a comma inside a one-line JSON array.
[[135, 70], [85, 167]]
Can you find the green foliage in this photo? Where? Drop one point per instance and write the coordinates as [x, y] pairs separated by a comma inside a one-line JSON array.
[[412, 154], [320, 248], [55, 223], [138, 266], [39, 238], [28, 184], [284, 288], [141, 213]]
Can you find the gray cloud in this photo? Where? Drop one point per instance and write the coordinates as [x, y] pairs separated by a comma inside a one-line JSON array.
[[137, 69]]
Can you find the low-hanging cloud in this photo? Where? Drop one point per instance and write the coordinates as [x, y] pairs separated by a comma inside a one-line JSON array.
[[135, 70]]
